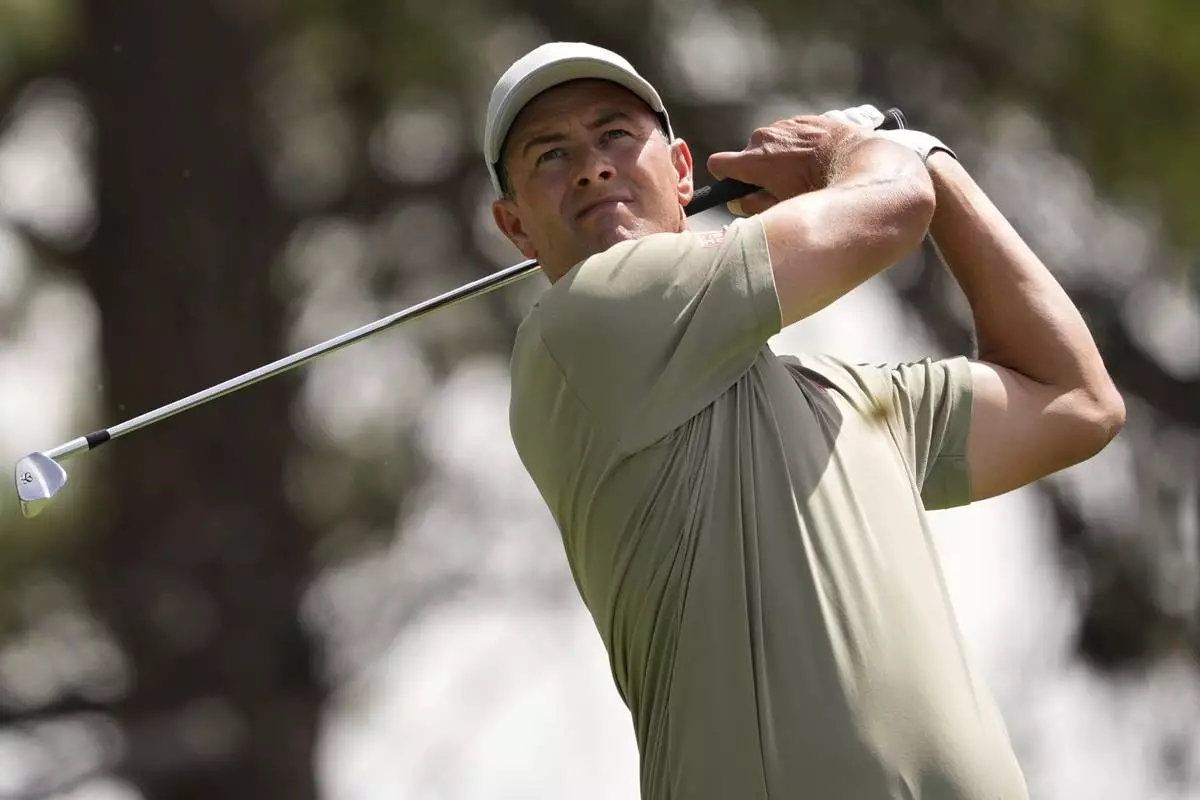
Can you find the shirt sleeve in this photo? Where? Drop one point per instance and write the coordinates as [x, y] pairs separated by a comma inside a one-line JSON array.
[[653, 330], [931, 401], [927, 405]]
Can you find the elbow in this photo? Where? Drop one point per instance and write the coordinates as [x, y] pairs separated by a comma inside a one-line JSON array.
[[1091, 426], [1105, 417], [1112, 413]]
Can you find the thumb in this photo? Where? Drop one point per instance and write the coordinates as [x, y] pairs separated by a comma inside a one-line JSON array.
[[751, 204], [724, 164]]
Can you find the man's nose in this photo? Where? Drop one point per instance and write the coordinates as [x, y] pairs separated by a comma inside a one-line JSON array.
[[596, 168]]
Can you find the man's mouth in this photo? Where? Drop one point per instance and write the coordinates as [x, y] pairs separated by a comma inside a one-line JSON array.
[[607, 202]]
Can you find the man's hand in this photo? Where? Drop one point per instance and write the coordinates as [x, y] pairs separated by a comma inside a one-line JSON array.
[[837, 205], [789, 157]]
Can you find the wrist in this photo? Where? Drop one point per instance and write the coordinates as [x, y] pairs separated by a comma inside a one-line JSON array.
[[942, 160], [958, 197], [946, 171]]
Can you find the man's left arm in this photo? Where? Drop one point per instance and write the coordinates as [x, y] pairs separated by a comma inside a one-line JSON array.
[[1042, 397]]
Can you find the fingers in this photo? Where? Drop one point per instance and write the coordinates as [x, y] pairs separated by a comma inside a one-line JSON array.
[[752, 163], [753, 203], [735, 164], [741, 165], [749, 166], [720, 163], [791, 156], [786, 158]]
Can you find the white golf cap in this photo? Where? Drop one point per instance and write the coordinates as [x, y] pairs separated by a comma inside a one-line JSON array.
[[546, 67]]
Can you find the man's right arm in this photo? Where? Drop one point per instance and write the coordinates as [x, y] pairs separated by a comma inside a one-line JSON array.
[[839, 206]]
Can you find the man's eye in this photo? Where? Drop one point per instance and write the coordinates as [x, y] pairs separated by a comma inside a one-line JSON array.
[[549, 155], [615, 133]]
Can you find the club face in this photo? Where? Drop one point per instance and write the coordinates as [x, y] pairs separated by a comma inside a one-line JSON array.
[[38, 478]]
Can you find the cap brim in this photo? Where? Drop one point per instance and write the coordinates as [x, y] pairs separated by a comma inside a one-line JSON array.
[[560, 72]]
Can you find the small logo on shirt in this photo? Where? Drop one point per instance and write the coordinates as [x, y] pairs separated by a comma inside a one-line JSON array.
[[711, 238]]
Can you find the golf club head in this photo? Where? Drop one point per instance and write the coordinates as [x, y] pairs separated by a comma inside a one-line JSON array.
[[38, 478]]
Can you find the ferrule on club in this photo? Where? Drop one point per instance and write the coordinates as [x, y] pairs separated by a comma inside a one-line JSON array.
[[80, 445]]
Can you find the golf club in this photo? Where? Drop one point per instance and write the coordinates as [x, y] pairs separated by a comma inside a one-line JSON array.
[[39, 476]]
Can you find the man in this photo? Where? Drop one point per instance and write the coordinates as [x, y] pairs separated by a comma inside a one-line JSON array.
[[749, 531]]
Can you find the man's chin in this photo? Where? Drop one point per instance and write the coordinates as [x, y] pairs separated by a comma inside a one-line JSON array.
[[616, 235], [617, 230]]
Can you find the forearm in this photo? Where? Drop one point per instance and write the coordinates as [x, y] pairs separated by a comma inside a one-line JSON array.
[[1024, 320], [874, 211]]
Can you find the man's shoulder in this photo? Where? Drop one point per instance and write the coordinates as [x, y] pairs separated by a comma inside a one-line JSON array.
[[533, 363], [527, 376], [528, 341], [633, 261], [619, 256]]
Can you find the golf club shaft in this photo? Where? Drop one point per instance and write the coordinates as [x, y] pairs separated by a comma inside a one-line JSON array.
[[705, 198], [464, 292]]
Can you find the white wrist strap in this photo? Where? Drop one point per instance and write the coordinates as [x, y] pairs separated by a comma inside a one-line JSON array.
[[921, 143]]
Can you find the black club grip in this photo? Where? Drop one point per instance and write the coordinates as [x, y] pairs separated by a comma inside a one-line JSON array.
[[721, 192]]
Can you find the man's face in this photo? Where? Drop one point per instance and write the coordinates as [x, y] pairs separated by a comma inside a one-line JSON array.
[[588, 166]]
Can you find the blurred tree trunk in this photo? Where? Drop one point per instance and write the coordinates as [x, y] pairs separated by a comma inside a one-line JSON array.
[[196, 563]]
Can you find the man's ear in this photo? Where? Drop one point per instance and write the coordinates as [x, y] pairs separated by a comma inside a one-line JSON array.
[[681, 159], [508, 220]]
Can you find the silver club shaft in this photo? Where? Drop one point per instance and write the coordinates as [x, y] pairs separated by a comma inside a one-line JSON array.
[[465, 292]]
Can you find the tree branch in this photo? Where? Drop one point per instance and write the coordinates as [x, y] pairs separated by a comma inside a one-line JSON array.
[[63, 706]]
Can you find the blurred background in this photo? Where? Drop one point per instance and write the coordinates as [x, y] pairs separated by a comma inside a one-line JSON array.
[[341, 584]]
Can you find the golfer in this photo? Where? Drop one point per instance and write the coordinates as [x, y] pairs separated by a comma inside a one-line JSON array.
[[748, 531]]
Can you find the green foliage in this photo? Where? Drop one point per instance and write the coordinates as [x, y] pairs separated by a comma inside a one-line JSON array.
[[1136, 81], [33, 33], [1119, 81], [390, 48]]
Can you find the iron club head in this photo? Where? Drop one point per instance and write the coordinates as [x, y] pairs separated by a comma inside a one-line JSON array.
[[38, 478]]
